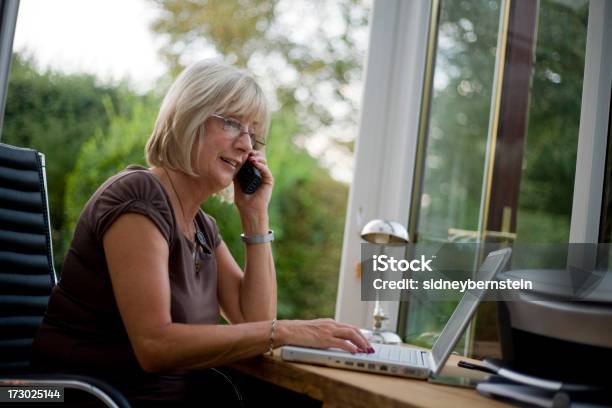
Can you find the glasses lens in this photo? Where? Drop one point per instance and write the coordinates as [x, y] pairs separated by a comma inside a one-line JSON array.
[[235, 130], [232, 127], [256, 142]]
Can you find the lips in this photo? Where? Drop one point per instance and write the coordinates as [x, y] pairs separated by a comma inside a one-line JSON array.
[[231, 162]]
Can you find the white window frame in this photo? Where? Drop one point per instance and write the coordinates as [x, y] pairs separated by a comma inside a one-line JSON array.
[[593, 132], [387, 141]]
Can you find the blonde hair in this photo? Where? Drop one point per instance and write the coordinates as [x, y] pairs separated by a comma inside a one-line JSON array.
[[202, 89]]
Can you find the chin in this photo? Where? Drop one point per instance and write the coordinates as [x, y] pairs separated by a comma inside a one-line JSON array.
[[224, 182], [227, 185]]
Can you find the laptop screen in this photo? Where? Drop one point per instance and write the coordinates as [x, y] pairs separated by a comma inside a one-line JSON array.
[[464, 311]]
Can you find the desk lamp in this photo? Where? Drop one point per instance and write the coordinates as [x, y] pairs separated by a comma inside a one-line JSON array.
[[385, 233]]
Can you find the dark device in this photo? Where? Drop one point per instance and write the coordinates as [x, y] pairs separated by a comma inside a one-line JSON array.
[[249, 178]]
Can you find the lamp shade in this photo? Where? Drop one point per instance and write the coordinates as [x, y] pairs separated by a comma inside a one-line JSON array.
[[385, 232]]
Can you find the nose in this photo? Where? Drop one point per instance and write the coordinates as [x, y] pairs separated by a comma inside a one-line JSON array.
[[243, 141]]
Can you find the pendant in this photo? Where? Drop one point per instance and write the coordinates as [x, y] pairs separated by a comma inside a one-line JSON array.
[[196, 261], [200, 238]]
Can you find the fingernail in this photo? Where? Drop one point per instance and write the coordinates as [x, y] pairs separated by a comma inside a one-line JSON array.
[[370, 350]]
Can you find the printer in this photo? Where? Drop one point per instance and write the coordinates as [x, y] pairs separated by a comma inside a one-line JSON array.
[[561, 328]]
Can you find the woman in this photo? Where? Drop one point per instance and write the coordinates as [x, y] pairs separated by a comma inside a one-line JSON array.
[[147, 274]]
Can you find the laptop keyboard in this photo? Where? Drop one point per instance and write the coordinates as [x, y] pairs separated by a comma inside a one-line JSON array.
[[396, 354]]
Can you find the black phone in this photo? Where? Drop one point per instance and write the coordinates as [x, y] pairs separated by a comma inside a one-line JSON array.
[[249, 178]]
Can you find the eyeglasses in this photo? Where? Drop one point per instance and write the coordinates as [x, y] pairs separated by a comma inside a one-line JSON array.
[[235, 129]]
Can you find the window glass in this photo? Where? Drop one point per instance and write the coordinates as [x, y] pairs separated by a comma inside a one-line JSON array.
[[455, 144], [527, 134], [551, 142]]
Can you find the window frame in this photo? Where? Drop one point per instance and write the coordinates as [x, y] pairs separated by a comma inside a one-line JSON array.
[[394, 79], [8, 22], [593, 131]]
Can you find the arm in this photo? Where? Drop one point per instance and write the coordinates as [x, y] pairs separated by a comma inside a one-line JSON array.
[[137, 257], [250, 295], [241, 293]]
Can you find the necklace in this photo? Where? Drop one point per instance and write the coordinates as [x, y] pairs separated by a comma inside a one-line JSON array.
[[199, 236]]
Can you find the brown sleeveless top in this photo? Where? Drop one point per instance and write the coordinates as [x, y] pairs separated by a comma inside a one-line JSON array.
[[82, 330]]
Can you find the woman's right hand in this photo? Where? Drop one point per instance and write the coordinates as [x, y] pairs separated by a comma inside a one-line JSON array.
[[322, 333]]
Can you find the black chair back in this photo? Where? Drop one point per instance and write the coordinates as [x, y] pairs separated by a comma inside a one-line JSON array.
[[27, 273]]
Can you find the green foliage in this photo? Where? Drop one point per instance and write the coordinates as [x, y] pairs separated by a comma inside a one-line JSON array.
[[307, 212], [55, 114], [105, 154], [308, 252]]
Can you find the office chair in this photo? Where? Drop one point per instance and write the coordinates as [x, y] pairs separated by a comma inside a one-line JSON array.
[[27, 275]]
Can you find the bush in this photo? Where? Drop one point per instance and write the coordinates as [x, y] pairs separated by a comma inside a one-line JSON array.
[[104, 155], [55, 113]]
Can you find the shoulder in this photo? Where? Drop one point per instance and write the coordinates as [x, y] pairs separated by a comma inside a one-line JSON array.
[[135, 182], [133, 190]]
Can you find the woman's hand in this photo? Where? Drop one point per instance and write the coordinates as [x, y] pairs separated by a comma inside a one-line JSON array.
[[255, 205], [322, 333]]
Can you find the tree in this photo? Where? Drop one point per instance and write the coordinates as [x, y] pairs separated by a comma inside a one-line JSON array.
[[105, 154], [55, 114], [309, 52]]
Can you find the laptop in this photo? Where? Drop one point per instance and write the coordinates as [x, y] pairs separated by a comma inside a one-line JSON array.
[[408, 361]]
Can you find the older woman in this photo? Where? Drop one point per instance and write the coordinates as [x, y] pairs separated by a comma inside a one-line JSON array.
[[148, 274]]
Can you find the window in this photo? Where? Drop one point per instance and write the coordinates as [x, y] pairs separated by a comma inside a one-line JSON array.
[[500, 141]]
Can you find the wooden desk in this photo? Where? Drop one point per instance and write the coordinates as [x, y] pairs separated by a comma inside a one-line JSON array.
[[344, 388]]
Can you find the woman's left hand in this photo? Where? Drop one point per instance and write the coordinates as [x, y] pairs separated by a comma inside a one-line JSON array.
[[257, 203]]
